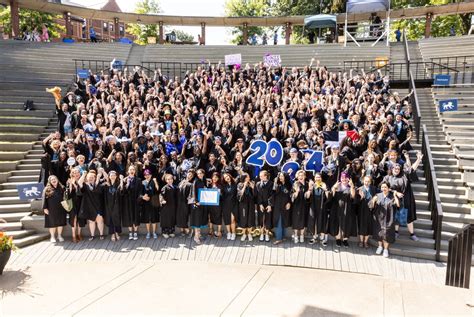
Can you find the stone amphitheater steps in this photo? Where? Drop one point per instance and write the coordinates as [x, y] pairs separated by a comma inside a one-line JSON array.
[[26, 69]]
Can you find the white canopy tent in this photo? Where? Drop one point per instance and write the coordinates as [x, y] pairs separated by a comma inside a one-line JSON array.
[[364, 6]]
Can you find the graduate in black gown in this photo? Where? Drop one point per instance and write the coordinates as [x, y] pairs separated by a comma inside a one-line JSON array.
[[281, 205], [342, 220], [73, 192], [92, 206], [229, 205], [131, 208], [318, 211], [55, 215], [400, 181], [215, 212], [168, 196], [263, 199], [113, 191], [183, 210], [149, 207], [246, 206], [300, 195], [384, 205], [364, 195], [198, 217]]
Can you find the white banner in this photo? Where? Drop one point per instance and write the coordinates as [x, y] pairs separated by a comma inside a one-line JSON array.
[[272, 60], [233, 59]]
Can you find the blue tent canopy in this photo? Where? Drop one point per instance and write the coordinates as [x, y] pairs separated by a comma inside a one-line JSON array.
[[320, 21], [363, 6]]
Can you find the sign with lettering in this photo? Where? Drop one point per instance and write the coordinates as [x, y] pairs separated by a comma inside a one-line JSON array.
[[233, 59], [272, 60]]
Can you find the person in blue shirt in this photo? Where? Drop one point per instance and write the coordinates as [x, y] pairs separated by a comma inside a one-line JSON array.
[[398, 35], [93, 35]]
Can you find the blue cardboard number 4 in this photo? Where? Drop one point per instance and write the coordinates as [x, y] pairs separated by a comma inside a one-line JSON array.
[[448, 105]]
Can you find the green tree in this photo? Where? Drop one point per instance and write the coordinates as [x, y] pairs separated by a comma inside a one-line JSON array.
[[247, 8], [183, 36], [30, 19], [143, 31]]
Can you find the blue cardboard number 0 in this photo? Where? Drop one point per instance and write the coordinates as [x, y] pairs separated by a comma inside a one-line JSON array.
[[274, 153], [291, 168]]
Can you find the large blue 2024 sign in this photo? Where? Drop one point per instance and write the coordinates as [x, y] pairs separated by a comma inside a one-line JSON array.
[[272, 153]]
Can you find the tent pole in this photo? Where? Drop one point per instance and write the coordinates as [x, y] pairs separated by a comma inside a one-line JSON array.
[[388, 21], [345, 30]]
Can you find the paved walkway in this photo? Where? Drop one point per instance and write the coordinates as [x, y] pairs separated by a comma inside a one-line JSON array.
[[170, 288], [214, 250]]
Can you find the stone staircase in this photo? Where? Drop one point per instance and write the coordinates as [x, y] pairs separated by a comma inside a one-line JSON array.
[[26, 69], [135, 56]]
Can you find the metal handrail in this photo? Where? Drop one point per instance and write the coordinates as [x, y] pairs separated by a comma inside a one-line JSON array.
[[434, 199], [458, 270], [407, 52], [415, 106]]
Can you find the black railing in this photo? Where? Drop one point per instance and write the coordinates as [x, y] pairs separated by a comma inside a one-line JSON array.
[[168, 69], [434, 200], [407, 52], [95, 65], [415, 106], [458, 271]]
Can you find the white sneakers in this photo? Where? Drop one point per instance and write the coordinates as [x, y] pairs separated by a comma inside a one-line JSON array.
[[229, 235], [301, 238], [261, 237], [60, 239], [232, 236], [244, 236], [385, 253], [52, 240], [250, 237], [379, 250], [130, 236], [295, 239], [267, 237], [165, 235]]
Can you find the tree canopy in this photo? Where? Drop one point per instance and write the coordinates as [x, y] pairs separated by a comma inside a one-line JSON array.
[[143, 31], [30, 19], [248, 8]]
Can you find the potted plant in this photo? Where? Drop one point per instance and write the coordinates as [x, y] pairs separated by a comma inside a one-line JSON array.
[[6, 247]]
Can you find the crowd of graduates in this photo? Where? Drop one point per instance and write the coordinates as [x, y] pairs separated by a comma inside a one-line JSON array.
[[134, 149]]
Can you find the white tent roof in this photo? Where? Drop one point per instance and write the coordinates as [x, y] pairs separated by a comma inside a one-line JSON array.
[[363, 6]]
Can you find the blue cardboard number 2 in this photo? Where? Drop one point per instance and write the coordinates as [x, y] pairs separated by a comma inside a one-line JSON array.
[[258, 149]]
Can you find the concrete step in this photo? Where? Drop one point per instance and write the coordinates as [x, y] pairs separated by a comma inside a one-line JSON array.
[[454, 190], [11, 156], [12, 185], [24, 178], [7, 166], [7, 128], [18, 137], [9, 192], [15, 208], [30, 239], [16, 146], [26, 173], [31, 161], [11, 226], [448, 217], [18, 234], [24, 120], [14, 216], [445, 198], [29, 167]]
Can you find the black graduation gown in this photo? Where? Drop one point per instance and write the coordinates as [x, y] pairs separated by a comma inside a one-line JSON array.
[[92, 202], [281, 197], [215, 212], [364, 214], [263, 196], [113, 206], [168, 211], [401, 184], [246, 207], [57, 214], [76, 197], [149, 213], [131, 207], [341, 215], [318, 212], [384, 212], [183, 207], [229, 203], [300, 207], [198, 216]]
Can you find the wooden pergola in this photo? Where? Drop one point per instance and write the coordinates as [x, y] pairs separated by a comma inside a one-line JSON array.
[[286, 21]]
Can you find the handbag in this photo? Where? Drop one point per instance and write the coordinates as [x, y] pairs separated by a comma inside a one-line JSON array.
[[67, 203], [401, 216]]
